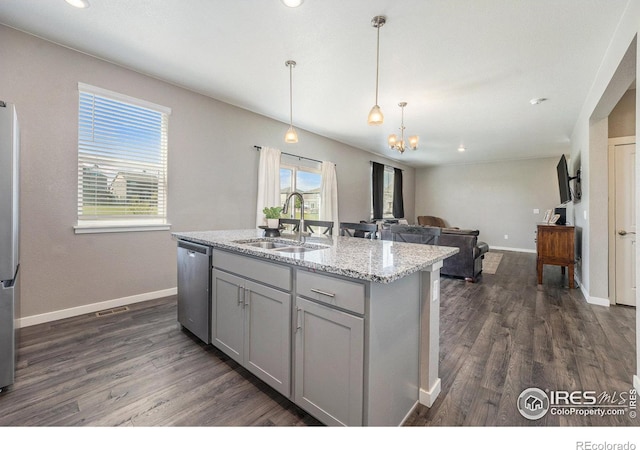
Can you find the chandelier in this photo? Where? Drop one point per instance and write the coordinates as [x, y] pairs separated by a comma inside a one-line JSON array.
[[400, 145]]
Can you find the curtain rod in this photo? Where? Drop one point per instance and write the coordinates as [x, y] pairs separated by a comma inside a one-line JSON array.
[[386, 165], [257, 147]]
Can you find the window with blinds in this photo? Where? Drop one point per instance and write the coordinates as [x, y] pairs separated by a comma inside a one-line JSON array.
[[122, 159]]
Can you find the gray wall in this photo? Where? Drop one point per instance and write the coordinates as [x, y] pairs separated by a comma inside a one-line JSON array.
[[622, 120], [605, 114], [617, 72], [212, 176], [497, 198]]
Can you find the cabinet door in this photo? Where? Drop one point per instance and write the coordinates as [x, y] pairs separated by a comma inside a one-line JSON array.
[[227, 314], [329, 361], [267, 343]]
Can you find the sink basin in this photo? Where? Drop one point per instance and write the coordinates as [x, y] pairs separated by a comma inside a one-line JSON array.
[[268, 244], [283, 247], [296, 249]]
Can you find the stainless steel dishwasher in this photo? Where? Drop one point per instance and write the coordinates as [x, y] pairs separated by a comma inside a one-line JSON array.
[[194, 286]]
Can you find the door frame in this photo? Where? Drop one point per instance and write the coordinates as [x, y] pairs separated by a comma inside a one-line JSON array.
[[612, 143]]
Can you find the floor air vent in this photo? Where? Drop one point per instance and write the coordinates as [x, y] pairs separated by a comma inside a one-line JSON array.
[[108, 312]]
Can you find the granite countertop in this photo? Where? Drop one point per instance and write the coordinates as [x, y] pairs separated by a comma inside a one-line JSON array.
[[364, 259]]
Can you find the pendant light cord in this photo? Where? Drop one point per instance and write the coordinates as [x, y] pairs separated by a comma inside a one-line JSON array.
[[290, 95], [377, 60]]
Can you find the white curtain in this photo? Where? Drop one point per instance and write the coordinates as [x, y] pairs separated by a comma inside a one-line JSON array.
[[329, 195], [268, 182]]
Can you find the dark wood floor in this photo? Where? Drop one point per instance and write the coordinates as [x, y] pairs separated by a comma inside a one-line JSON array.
[[498, 337]]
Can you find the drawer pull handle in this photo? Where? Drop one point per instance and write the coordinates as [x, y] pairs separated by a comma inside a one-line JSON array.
[[241, 297], [328, 294]]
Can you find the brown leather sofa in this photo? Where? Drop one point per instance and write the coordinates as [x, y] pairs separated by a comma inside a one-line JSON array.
[[431, 221]]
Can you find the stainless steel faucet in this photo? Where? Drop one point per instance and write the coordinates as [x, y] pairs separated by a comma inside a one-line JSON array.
[[285, 209]]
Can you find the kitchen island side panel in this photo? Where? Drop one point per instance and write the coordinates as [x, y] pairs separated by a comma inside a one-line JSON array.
[[392, 362]]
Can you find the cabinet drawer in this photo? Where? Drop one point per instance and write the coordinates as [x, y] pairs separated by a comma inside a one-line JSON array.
[[262, 271], [337, 292]]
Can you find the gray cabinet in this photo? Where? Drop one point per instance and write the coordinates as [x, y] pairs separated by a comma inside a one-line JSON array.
[[345, 350], [227, 314], [329, 351], [251, 322]]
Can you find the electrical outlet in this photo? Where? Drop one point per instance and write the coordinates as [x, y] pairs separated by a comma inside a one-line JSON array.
[[536, 211], [506, 236]]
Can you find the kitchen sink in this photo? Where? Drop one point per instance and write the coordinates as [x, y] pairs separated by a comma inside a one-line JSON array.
[[296, 249], [282, 247], [268, 244]]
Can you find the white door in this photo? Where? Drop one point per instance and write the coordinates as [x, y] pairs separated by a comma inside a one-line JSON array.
[[625, 224]]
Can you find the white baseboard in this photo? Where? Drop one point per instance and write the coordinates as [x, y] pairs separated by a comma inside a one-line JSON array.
[[413, 408], [92, 307], [427, 398], [598, 301], [585, 294], [636, 382], [513, 249]]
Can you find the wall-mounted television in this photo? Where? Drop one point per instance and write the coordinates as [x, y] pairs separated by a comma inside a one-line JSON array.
[[563, 181]]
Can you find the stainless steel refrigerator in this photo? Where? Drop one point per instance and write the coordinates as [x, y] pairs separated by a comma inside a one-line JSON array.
[[9, 236]]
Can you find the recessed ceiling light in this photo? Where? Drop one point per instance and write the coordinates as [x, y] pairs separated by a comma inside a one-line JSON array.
[[292, 3], [537, 101], [78, 3], [461, 148]]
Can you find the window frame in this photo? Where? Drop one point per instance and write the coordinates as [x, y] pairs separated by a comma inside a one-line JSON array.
[[295, 168], [127, 222], [388, 171]]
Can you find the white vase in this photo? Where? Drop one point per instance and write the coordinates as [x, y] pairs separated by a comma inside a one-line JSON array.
[[273, 223]]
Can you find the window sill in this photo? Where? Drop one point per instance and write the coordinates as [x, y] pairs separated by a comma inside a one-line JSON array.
[[100, 226]]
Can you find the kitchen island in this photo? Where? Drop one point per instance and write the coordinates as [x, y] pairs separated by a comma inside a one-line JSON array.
[[346, 328]]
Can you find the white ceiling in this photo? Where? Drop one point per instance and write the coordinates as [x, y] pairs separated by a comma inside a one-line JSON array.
[[466, 68]]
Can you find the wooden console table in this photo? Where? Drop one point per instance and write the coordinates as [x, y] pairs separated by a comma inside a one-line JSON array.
[[556, 246]]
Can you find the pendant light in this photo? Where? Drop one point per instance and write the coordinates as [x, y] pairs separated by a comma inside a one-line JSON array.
[[375, 115], [290, 137], [78, 3], [401, 145]]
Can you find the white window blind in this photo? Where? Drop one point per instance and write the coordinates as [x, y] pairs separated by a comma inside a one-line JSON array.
[[122, 159]]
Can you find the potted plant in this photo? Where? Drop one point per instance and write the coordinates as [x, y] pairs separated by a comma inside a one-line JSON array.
[[273, 216]]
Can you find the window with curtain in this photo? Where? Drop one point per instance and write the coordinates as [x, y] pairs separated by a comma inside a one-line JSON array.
[[303, 176], [386, 189], [122, 161]]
